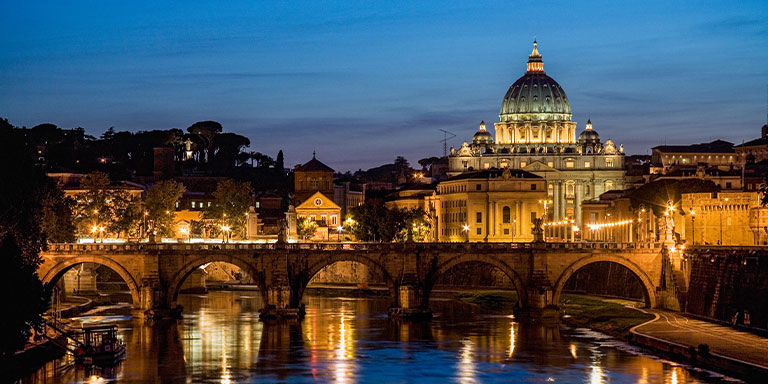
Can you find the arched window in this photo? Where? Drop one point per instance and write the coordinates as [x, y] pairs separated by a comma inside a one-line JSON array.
[[506, 215]]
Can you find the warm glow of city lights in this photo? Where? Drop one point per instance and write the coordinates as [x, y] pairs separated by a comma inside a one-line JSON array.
[[609, 225]]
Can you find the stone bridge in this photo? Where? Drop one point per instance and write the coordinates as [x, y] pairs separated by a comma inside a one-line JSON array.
[[155, 272]]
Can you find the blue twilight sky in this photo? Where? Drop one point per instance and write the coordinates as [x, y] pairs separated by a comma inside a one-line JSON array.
[[362, 82]]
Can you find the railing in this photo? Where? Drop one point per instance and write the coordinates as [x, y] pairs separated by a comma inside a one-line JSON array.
[[138, 247]]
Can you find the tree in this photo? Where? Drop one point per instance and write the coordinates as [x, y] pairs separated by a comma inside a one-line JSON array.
[[103, 207], [25, 307], [427, 162], [58, 224], [232, 199], [306, 228], [161, 204], [22, 192], [415, 220], [226, 147], [279, 162], [378, 223]]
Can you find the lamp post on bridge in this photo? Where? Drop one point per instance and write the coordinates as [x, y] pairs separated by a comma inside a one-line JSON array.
[[466, 233], [693, 227]]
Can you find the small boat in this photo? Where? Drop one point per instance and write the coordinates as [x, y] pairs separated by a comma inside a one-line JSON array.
[[100, 346]]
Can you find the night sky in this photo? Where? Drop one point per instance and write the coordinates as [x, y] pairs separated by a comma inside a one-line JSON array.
[[364, 82]]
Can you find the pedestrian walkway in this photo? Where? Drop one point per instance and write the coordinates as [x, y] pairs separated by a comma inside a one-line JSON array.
[[722, 340]]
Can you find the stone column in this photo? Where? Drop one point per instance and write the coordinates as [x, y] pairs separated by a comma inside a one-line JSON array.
[[412, 299], [563, 192], [577, 206], [555, 199]]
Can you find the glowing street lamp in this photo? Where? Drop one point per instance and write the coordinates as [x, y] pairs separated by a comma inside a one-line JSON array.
[[225, 233], [693, 226], [466, 232], [184, 232], [546, 204], [339, 229]]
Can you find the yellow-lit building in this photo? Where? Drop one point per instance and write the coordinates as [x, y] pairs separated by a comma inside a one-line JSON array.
[[320, 209], [311, 177], [488, 205], [536, 133], [611, 218], [727, 218]]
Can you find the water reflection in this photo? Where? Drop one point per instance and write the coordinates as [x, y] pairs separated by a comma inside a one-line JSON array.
[[353, 341]]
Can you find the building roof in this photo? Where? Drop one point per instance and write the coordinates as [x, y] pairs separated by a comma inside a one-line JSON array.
[[692, 171], [314, 165], [494, 173], [717, 146], [751, 143]]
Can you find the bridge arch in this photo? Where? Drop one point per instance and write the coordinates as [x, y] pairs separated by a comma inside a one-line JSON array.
[[303, 279], [649, 289], [485, 259], [59, 269], [191, 264]]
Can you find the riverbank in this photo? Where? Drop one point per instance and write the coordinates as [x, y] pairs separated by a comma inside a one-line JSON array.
[[613, 317], [704, 344]]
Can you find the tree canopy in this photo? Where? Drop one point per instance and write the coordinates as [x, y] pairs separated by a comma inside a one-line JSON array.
[[160, 206], [232, 202]]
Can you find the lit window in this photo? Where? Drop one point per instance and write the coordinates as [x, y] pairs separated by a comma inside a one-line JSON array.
[[209, 203], [193, 205], [523, 164], [570, 164], [551, 164], [486, 165], [587, 164], [609, 163]]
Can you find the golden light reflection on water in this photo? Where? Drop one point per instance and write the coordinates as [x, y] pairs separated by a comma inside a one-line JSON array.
[[344, 340], [512, 332], [467, 363]]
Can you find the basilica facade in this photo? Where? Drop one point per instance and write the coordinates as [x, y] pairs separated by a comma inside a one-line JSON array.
[[535, 133]]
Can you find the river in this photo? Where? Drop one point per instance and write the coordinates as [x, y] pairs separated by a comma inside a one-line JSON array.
[[346, 340]]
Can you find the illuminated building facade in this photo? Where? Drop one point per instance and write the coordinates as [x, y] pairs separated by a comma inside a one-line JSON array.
[[487, 205], [535, 133], [727, 218]]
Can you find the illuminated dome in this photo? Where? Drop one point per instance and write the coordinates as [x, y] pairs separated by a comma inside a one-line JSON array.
[[589, 135], [535, 96], [482, 136]]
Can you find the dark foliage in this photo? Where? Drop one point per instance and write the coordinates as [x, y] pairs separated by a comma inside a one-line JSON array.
[[27, 299]]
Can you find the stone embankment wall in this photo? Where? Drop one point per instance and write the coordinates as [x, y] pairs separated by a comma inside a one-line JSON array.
[[729, 285]]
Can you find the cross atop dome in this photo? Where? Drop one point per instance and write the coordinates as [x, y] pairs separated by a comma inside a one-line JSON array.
[[589, 125], [535, 64]]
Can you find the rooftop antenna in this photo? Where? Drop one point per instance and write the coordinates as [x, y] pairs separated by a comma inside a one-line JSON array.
[[445, 140]]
